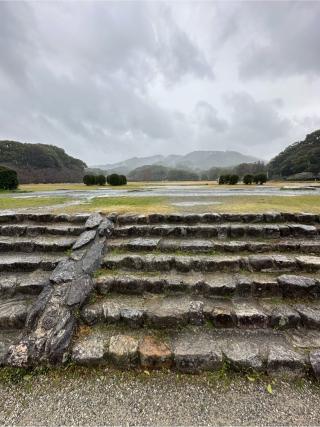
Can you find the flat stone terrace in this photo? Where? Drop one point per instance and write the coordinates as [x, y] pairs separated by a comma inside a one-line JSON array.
[[201, 292]]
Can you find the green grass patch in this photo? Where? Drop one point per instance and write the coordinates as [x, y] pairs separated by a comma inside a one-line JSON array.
[[125, 204], [32, 202]]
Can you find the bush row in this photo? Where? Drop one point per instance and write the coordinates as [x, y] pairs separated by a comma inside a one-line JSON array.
[[247, 179], [113, 179]]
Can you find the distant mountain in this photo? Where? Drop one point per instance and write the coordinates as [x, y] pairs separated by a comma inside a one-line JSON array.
[[195, 161], [40, 163], [299, 159]]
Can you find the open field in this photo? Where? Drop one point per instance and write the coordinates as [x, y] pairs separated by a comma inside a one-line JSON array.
[[141, 185], [165, 197]]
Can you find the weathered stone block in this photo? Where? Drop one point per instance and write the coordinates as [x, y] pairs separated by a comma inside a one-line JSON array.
[[123, 350], [154, 354]]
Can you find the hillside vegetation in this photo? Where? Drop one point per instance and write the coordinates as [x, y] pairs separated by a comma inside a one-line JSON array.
[[40, 163], [299, 160]]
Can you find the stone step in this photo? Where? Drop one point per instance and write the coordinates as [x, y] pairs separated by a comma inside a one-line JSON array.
[[14, 311], [198, 349], [227, 285], [36, 218], [214, 218], [8, 338], [219, 231], [31, 229], [173, 311], [32, 283], [212, 263], [17, 261], [33, 244], [140, 244]]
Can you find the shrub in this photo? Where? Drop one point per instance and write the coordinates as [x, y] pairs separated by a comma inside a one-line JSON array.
[[224, 179], [115, 179], [100, 180], [248, 179], [89, 179], [260, 179], [8, 179], [234, 179]]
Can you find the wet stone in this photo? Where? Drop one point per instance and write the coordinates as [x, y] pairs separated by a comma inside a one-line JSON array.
[[293, 286], [132, 317], [123, 350], [84, 239], [315, 362], [89, 351], [196, 315], [221, 315], [310, 263], [284, 360], [281, 315], [310, 316], [243, 355], [247, 315], [93, 221], [154, 354], [196, 354]]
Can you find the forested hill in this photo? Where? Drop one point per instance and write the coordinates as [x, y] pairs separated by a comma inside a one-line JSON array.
[[299, 158], [40, 162]]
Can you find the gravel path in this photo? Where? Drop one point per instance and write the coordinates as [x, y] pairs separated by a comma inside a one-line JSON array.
[[111, 397]]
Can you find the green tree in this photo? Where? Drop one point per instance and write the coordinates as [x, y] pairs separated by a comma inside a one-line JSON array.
[[247, 179], [8, 179], [234, 179]]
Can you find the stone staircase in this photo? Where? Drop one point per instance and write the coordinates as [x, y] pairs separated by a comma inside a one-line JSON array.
[[202, 292], [31, 246]]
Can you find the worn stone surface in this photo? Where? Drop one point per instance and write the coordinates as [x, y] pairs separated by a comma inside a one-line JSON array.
[[294, 286], [154, 353], [284, 360], [310, 315], [195, 354], [89, 351], [91, 261], [13, 313], [79, 290], [243, 355], [106, 228], [248, 315], [84, 239], [93, 221], [315, 362], [123, 350]]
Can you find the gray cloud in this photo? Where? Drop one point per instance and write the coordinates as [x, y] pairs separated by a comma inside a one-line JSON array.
[[287, 43], [109, 80]]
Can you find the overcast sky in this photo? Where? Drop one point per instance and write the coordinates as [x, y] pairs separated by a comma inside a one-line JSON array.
[[107, 81]]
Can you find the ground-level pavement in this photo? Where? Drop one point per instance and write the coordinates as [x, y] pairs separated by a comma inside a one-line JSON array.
[[102, 396]]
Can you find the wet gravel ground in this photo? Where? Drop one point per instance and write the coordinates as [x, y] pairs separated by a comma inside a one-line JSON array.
[[106, 397]]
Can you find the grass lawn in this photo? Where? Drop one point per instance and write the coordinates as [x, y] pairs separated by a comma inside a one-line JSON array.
[[145, 205], [123, 204], [32, 202], [256, 204]]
